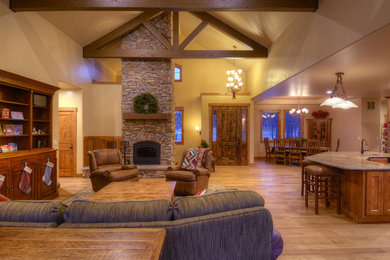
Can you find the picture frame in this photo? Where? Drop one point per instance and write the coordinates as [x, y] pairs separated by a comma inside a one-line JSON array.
[[9, 129], [5, 112], [18, 129], [17, 115]]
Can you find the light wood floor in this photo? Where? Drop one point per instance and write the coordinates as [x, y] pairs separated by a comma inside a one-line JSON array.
[[305, 235]]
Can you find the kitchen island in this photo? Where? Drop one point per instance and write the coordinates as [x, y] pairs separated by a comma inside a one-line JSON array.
[[365, 183]]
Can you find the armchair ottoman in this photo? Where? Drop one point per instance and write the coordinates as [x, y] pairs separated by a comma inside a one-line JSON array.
[[106, 166]]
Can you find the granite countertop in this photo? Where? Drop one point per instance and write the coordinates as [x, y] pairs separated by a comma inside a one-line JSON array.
[[350, 160]]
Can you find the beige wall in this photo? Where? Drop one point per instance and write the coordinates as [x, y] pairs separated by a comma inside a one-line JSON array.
[[74, 99], [102, 110]]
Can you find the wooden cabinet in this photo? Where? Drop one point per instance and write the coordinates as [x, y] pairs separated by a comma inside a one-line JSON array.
[[28, 126], [378, 194], [12, 167], [320, 129]]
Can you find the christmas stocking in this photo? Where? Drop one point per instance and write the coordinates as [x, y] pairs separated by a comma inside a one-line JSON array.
[[24, 184], [2, 178], [46, 176]]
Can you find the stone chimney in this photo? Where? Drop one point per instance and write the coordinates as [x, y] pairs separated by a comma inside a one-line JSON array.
[[149, 76]]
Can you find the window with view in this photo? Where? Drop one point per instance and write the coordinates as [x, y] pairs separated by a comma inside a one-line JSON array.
[[292, 126], [177, 72], [269, 125], [179, 139]]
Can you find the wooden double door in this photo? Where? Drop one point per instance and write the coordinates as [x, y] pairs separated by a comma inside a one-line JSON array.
[[229, 133]]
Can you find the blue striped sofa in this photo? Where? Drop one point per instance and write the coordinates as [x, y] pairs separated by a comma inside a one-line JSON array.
[[222, 225]]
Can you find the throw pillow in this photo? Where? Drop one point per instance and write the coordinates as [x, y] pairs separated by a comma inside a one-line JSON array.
[[191, 158], [202, 158]]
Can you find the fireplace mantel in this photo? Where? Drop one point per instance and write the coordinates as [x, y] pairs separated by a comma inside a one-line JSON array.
[[136, 116]]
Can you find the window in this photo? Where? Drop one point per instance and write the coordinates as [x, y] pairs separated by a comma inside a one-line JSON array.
[[177, 72], [292, 126], [214, 125], [179, 114], [269, 125], [243, 122]]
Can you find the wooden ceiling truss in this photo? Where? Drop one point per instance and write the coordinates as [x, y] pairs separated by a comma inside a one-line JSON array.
[[101, 49], [165, 5]]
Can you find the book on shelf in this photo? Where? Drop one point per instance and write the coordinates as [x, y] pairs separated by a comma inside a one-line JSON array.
[[5, 148], [18, 129], [14, 146], [5, 112], [17, 115], [9, 129]]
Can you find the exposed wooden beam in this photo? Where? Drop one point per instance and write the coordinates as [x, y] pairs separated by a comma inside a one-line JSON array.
[[227, 29], [157, 34], [172, 54], [165, 5], [175, 30], [122, 30], [193, 35]]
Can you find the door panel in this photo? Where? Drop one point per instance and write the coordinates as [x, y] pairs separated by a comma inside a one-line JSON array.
[[374, 195], [67, 143], [227, 134]]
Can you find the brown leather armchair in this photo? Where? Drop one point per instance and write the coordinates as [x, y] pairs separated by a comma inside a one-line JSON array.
[[106, 166], [190, 182]]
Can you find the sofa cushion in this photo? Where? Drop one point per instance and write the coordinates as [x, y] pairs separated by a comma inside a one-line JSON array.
[[187, 207], [123, 175], [32, 211], [181, 176], [89, 211]]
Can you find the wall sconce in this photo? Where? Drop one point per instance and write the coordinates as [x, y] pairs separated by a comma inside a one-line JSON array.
[[197, 129]]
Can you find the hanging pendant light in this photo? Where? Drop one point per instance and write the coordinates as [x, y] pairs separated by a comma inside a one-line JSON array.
[[338, 97], [298, 111]]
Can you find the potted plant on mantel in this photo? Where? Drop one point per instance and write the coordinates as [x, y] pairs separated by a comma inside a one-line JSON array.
[[320, 114]]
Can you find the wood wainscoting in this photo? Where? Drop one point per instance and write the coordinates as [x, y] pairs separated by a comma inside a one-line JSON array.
[[99, 142]]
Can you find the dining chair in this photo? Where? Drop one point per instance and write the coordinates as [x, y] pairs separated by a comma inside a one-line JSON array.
[[295, 151], [312, 147], [280, 151], [268, 150]]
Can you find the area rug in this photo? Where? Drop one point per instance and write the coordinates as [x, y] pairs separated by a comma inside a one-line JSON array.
[[81, 195], [85, 193]]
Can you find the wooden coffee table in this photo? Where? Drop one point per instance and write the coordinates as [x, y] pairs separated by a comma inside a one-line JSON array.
[[79, 243], [144, 190]]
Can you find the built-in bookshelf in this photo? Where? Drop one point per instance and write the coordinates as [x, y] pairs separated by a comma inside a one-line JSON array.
[[26, 137], [25, 113]]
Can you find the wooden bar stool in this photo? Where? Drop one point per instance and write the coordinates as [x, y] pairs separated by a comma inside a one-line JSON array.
[[312, 147], [324, 183]]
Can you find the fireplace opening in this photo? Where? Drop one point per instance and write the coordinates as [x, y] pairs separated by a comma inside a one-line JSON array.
[[146, 152]]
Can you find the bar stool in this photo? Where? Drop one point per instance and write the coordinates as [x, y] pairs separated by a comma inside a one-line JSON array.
[[319, 182], [312, 147]]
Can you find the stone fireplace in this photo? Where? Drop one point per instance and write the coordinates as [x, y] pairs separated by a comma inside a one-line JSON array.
[[148, 76]]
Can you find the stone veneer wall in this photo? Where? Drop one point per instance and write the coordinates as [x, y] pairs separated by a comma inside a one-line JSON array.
[[152, 76]]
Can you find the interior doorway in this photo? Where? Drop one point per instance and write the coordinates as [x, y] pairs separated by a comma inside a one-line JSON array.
[[229, 134], [67, 124]]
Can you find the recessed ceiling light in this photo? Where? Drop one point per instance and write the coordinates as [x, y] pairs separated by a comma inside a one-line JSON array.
[[329, 92]]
